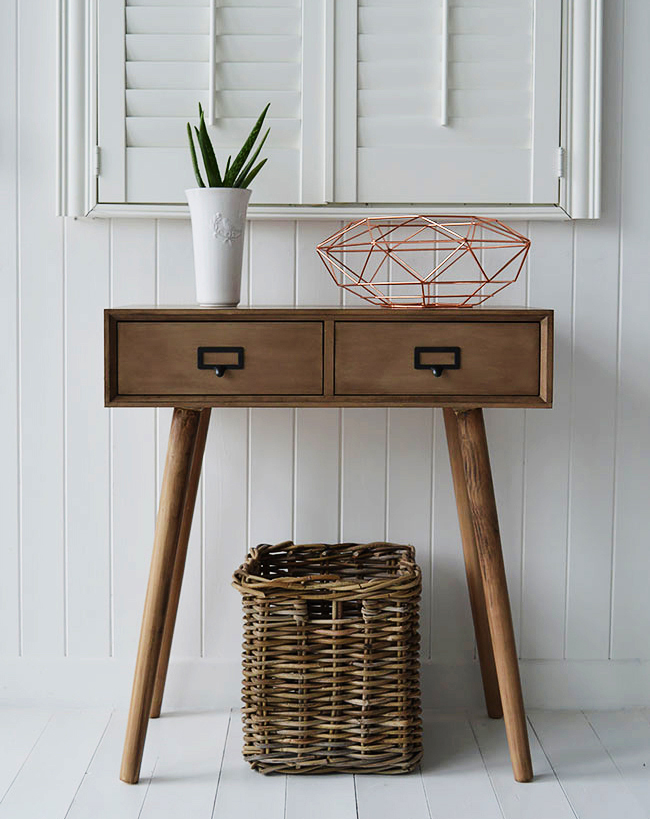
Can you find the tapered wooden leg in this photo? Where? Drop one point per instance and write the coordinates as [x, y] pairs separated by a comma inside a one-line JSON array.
[[473, 572], [182, 438], [179, 563], [483, 511]]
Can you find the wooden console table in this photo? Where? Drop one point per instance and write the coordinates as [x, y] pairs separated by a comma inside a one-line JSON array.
[[193, 359]]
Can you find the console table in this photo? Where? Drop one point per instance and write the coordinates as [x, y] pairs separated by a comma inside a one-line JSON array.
[[195, 358]]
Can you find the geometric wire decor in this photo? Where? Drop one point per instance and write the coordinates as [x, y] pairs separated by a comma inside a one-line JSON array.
[[425, 261]]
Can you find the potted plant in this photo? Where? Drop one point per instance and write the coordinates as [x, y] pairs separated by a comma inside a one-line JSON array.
[[218, 212]]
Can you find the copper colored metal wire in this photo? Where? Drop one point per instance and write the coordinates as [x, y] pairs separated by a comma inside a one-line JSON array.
[[414, 261]]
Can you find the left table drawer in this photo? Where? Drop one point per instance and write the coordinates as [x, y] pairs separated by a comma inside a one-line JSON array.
[[260, 358]]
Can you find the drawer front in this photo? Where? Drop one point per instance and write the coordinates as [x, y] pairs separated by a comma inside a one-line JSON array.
[[261, 358], [472, 358]]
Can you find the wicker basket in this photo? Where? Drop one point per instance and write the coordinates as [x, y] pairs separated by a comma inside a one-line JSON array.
[[331, 658]]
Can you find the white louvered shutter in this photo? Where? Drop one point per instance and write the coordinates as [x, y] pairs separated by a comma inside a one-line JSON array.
[[154, 69], [502, 68]]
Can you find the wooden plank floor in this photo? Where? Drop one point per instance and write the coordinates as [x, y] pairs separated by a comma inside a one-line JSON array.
[[63, 764]]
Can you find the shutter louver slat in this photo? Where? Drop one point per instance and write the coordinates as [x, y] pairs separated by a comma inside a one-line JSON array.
[[258, 50], [151, 103], [234, 76]]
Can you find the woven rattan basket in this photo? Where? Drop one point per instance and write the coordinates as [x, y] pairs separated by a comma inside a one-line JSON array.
[[331, 658]]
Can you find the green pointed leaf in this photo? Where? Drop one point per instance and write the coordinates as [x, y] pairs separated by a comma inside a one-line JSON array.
[[246, 169], [246, 182], [207, 151], [195, 164], [242, 156]]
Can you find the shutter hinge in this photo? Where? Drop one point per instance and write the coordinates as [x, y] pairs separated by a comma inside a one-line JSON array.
[[561, 163], [98, 165]]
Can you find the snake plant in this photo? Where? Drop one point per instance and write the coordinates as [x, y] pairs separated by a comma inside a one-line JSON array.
[[238, 173]]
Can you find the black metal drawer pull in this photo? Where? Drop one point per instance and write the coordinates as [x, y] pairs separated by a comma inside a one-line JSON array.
[[436, 369], [220, 369]]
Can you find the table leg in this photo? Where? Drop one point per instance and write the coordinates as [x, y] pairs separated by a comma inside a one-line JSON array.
[[179, 562], [483, 512], [473, 571], [182, 439]]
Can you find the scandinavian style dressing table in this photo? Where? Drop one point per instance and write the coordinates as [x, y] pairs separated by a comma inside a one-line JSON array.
[[193, 359]]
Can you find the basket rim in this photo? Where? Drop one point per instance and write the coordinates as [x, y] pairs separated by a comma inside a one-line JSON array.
[[248, 583]]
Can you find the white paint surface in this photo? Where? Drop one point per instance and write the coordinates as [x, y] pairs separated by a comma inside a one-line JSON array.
[[79, 486], [587, 766]]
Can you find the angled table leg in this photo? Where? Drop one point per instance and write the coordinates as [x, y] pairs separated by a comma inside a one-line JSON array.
[[180, 451], [179, 562], [483, 513], [473, 571]]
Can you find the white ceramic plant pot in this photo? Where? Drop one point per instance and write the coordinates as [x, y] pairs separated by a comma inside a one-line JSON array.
[[218, 225]]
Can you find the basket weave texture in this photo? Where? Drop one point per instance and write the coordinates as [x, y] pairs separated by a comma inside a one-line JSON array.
[[331, 658]]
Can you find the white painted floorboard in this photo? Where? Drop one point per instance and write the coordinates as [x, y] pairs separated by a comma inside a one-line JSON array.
[[64, 765], [20, 730], [102, 795], [48, 781], [453, 770], [243, 793]]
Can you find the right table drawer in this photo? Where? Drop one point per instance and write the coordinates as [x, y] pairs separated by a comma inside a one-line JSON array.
[[479, 358]]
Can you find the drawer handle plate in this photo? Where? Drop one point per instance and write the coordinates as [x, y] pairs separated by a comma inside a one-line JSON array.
[[220, 369], [436, 369]]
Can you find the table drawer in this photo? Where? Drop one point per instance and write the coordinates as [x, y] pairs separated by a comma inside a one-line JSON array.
[[475, 358], [260, 358]]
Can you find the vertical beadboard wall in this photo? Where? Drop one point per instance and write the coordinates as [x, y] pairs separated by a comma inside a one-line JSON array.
[[78, 483]]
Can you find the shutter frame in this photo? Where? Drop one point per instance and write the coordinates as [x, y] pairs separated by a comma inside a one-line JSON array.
[[76, 107], [77, 137]]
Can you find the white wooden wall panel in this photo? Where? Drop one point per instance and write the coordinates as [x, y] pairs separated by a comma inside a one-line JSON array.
[[318, 463], [9, 339], [409, 491], [363, 474], [574, 480], [87, 450], [595, 353], [225, 528], [133, 446], [631, 613], [546, 456], [41, 255], [449, 601]]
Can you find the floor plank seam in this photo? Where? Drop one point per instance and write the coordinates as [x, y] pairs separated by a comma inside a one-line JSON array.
[[485, 766], [149, 783], [551, 766], [424, 790], [602, 744], [90, 762], [24, 762], [624, 781], [223, 756]]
